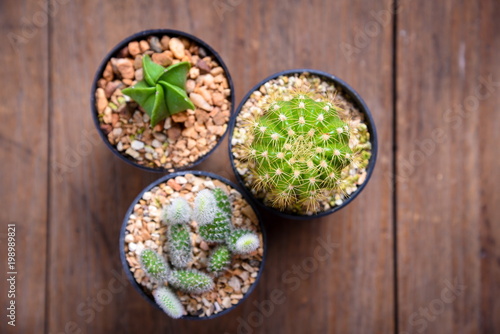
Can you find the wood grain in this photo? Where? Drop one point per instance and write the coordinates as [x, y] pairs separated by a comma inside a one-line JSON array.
[[256, 39], [447, 139], [23, 148]]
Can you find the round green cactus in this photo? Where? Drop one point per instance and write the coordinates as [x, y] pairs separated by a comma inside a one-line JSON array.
[[190, 281], [219, 259], [178, 212], [300, 146], [169, 302], [205, 207], [154, 265], [242, 241], [179, 245]]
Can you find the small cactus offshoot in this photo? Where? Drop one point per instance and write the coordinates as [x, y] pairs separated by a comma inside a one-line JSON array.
[[242, 241], [154, 265], [205, 207], [169, 302], [162, 93], [179, 245], [190, 281], [300, 147], [219, 228], [219, 259], [178, 212], [222, 200]]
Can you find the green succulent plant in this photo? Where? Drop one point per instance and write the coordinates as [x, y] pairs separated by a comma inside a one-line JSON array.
[[178, 212], [242, 241], [179, 245], [190, 281], [154, 265], [220, 259], [169, 302], [220, 225], [162, 92], [300, 147], [205, 207]]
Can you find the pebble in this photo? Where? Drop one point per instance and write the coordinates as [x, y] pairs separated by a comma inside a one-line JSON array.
[[126, 68], [156, 143], [102, 101], [217, 99], [162, 59], [133, 153], [154, 43], [164, 42], [200, 102], [137, 145], [204, 246], [129, 238], [133, 48], [194, 73], [144, 45], [234, 283], [181, 180], [226, 302], [203, 66], [177, 47]]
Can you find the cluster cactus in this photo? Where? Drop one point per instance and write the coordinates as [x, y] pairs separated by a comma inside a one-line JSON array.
[[162, 92], [300, 147], [212, 213]]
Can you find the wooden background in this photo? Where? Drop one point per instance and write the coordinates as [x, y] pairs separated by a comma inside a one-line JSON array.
[[428, 219]]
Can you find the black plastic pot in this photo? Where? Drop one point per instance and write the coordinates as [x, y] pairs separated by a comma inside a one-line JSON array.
[[137, 37], [351, 95], [163, 179]]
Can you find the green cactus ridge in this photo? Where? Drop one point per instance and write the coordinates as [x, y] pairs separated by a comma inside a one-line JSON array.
[[219, 259], [242, 241], [179, 245], [205, 207], [222, 200], [190, 281], [169, 302], [300, 146], [178, 212], [162, 92], [154, 265], [218, 230]]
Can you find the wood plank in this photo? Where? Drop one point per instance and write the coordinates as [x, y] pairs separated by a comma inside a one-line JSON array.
[[447, 162], [24, 147], [352, 291]]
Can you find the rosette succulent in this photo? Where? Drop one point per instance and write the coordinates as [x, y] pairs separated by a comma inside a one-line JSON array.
[[162, 92]]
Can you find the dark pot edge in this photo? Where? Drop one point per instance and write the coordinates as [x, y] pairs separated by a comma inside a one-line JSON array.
[[164, 178], [138, 36], [356, 99]]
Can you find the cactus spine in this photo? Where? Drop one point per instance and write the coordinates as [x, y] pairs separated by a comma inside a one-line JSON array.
[[299, 148], [154, 265], [219, 228], [179, 245], [205, 207], [178, 212], [190, 281], [169, 302], [242, 241], [219, 259]]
